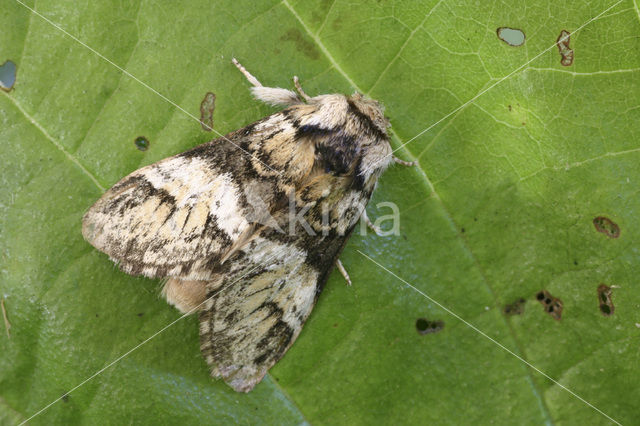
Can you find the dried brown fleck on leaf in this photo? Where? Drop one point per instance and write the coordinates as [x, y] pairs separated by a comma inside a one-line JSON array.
[[515, 308], [605, 302], [563, 46], [7, 324], [606, 226], [552, 305], [207, 106], [425, 326]]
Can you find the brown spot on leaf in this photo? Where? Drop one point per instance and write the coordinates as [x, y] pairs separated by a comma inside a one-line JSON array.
[[606, 226], [337, 23], [302, 43], [515, 308], [425, 326], [552, 305], [605, 301], [7, 324], [207, 106], [563, 46]]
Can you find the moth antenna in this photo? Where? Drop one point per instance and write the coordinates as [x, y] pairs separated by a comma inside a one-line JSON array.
[[254, 81], [296, 82]]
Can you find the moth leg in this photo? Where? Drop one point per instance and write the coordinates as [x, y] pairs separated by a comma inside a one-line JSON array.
[[370, 224], [296, 82], [343, 271], [254, 81], [405, 163]]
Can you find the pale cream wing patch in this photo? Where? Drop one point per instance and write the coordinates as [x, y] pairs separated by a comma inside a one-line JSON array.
[[250, 321], [173, 218]]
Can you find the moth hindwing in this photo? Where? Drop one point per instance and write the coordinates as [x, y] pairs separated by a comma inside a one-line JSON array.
[[246, 228]]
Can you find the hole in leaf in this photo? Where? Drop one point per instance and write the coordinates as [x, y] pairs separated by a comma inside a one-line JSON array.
[[7, 75], [552, 305], [606, 226], [605, 300], [142, 143], [511, 36], [425, 326]]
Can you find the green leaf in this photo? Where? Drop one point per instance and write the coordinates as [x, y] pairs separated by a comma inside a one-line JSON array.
[[501, 207]]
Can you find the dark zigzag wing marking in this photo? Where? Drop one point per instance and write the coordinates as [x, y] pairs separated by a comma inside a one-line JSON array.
[[159, 221], [251, 320]]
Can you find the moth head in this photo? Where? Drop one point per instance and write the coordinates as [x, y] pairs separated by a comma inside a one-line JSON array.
[[349, 137], [372, 109]]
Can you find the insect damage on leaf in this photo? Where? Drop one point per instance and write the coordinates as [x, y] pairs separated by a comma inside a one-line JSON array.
[[425, 326], [141, 143], [552, 305], [606, 226], [563, 47], [515, 308], [7, 75], [511, 36], [246, 229], [605, 301], [7, 324], [207, 106]]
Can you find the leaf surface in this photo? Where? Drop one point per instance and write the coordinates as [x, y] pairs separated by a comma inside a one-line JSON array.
[[501, 207]]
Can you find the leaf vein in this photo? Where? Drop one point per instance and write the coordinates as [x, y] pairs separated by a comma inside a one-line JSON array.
[[57, 144]]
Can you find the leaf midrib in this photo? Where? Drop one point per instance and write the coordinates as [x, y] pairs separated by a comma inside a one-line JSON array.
[[427, 183]]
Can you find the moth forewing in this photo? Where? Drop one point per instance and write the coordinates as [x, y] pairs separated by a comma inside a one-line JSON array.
[[214, 222]]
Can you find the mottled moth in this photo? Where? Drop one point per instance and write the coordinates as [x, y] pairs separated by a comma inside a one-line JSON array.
[[215, 222]]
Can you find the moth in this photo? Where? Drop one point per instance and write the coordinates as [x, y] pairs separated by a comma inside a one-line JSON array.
[[215, 222]]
